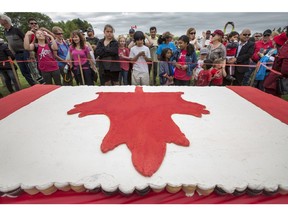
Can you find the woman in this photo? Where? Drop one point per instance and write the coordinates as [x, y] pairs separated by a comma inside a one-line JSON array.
[[61, 53], [79, 50], [191, 33], [107, 51], [280, 64], [165, 41], [216, 49]]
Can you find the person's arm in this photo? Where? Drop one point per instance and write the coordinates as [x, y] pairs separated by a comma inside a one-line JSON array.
[[149, 41], [8, 52], [92, 65], [224, 73], [131, 44], [147, 56], [27, 45], [135, 58], [48, 31], [54, 45]]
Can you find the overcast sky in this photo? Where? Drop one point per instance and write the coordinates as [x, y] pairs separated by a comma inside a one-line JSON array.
[[177, 23], [185, 14]]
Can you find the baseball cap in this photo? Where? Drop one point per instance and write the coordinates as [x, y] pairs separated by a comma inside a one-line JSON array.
[[267, 32], [131, 31], [218, 32], [203, 51], [90, 29]]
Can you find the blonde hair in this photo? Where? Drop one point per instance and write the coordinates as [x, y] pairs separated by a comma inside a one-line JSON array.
[[56, 29]]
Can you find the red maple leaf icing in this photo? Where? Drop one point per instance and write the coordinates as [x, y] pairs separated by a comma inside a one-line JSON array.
[[142, 121]]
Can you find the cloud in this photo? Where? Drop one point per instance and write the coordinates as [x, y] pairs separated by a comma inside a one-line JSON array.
[[178, 22]]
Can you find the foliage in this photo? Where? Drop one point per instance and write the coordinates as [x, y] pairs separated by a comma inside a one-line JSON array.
[[71, 25], [20, 20]]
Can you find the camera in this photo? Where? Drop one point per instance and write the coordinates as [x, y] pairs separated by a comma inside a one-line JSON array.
[[35, 73], [230, 78]]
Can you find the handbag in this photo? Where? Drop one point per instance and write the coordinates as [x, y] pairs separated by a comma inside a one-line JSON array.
[[282, 85]]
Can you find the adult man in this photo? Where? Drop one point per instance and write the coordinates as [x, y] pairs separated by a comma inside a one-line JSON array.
[[15, 38], [130, 38], [244, 52], [261, 46], [91, 38], [152, 40]]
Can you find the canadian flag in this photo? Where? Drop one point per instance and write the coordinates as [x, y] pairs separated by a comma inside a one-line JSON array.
[[126, 138]]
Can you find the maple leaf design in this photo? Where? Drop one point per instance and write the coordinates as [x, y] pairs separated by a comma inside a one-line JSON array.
[[142, 121]]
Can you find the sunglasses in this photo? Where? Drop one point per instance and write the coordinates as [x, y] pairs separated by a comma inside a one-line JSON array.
[[266, 35], [257, 36], [246, 35], [192, 33], [33, 23], [58, 33]]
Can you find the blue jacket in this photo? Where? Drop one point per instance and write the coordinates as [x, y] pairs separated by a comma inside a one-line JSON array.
[[191, 61]]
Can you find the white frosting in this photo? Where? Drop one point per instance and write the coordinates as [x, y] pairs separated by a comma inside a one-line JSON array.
[[235, 146]]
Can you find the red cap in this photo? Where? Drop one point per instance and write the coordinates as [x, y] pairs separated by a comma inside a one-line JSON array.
[[218, 32], [280, 39]]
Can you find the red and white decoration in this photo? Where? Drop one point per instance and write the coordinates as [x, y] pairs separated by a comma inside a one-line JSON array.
[[221, 141]]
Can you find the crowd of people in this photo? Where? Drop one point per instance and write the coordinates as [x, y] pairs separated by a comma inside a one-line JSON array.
[[215, 59]]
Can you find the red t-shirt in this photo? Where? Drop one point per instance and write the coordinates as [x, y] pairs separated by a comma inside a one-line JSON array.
[[231, 51], [46, 60], [204, 78], [216, 81], [258, 45], [125, 52], [179, 73]]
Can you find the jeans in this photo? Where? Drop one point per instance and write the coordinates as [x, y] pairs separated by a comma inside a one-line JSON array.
[[24, 66], [9, 76], [123, 74], [55, 75], [247, 75]]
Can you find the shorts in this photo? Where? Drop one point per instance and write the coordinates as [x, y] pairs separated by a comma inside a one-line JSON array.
[[111, 76]]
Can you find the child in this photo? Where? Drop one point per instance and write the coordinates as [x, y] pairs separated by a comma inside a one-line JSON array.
[[107, 52], [200, 62], [204, 76], [218, 72], [231, 48], [47, 64], [184, 60], [140, 55], [123, 53], [5, 67], [166, 73]]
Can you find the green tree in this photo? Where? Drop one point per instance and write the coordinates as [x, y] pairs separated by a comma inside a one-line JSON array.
[[20, 19]]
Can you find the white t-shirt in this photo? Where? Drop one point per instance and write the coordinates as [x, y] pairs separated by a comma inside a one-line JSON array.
[[140, 64]]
